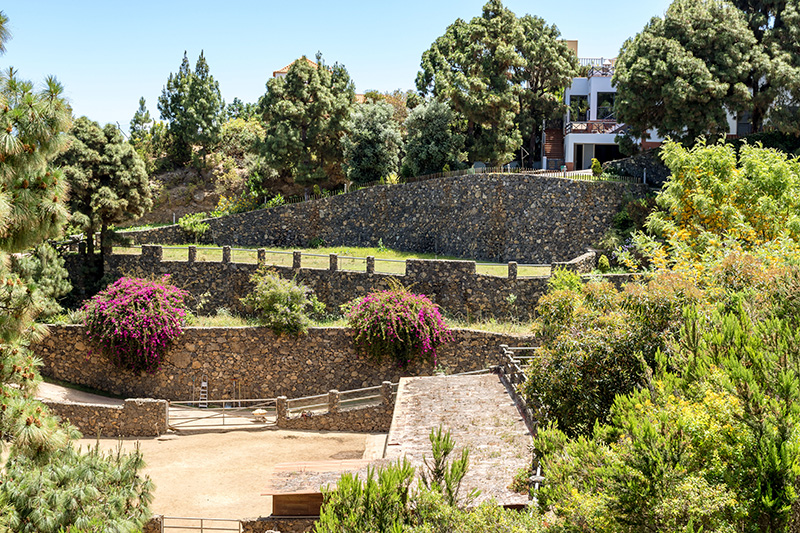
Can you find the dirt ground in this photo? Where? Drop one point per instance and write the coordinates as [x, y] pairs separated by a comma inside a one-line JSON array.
[[222, 475]]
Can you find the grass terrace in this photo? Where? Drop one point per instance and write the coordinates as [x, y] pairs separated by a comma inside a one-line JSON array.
[[351, 258]]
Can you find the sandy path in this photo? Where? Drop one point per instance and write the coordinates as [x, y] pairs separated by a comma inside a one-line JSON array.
[[222, 475]]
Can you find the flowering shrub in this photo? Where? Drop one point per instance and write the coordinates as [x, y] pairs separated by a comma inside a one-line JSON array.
[[134, 320], [397, 323], [283, 305]]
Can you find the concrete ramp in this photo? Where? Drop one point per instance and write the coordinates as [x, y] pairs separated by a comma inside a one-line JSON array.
[[480, 415]]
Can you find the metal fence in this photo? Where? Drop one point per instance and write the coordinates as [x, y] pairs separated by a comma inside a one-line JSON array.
[[201, 525]]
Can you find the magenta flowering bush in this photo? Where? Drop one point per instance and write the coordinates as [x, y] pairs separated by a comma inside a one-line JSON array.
[[133, 321], [398, 324]]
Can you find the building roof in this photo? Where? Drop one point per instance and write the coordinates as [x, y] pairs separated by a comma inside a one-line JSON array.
[[285, 69]]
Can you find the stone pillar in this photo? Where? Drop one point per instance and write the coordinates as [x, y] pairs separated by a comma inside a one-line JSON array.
[[333, 401], [282, 407], [512, 270], [152, 252], [370, 265], [262, 256], [334, 262], [192, 254], [386, 393], [297, 259], [226, 254]]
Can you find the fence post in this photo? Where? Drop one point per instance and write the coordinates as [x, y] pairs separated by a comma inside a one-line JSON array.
[[512, 270], [282, 407], [297, 258], [192, 254], [82, 248], [370, 265], [386, 393], [226, 254], [262, 256], [333, 401], [334, 262]]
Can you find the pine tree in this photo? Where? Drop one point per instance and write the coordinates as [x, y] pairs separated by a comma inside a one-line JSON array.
[[107, 179], [141, 122], [45, 484], [306, 116], [470, 66], [192, 105]]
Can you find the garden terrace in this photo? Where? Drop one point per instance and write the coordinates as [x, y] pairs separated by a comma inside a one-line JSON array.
[[455, 286]]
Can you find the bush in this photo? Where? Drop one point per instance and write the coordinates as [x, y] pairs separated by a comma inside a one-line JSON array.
[[231, 205], [597, 168], [193, 225], [280, 304], [397, 323], [603, 265], [134, 321]]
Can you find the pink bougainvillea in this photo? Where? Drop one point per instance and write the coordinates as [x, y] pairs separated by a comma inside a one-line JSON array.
[[133, 321], [399, 324]]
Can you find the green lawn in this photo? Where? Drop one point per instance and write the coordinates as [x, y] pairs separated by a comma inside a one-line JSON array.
[[350, 258]]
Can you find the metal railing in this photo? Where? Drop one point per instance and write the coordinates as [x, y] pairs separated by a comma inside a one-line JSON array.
[[601, 71], [188, 413], [593, 127]]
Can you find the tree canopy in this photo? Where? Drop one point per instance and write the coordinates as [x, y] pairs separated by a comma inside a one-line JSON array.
[[431, 139], [193, 107], [107, 178], [500, 73], [306, 114], [684, 72], [372, 146]]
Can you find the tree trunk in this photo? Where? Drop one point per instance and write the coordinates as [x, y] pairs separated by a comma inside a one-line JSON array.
[[103, 241], [90, 242]]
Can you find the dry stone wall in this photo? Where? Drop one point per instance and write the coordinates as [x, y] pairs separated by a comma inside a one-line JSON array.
[[139, 417], [500, 217], [256, 361], [453, 285]]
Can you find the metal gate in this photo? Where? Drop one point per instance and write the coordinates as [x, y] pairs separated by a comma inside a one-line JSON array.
[[201, 525], [188, 415]]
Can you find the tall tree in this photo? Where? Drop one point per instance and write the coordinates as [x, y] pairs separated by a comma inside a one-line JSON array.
[[431, 139], [192, 105], [683, 73], [471, 66], [372, 146], [306, 114], [141, 122], [774, 78], [107, 178], [45, 484], [548, 66]]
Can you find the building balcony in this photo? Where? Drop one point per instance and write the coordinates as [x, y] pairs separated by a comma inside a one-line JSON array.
[[602, 126]]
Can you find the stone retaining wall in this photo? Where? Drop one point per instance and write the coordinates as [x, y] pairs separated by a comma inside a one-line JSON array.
[[453, 285], [259, 363], [583, 264], [499, 217], [278, 524], [140, 417]]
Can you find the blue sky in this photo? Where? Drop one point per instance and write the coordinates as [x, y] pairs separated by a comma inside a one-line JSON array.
[[109, 53]]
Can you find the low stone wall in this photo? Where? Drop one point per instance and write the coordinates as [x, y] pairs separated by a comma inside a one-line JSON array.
[[644, 165], [498, 217], [140, 417], [255, 360], [361, 419], [453, 285], [278, 524]]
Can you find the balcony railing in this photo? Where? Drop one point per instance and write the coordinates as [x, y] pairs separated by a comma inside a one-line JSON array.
[[601, 71], [606, 113], [593, 127]]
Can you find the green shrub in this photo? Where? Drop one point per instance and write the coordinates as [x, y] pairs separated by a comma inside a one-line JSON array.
[[397, 324], [597, 168], [280, 304], [193, 225], [275, 201], [603, 265]]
